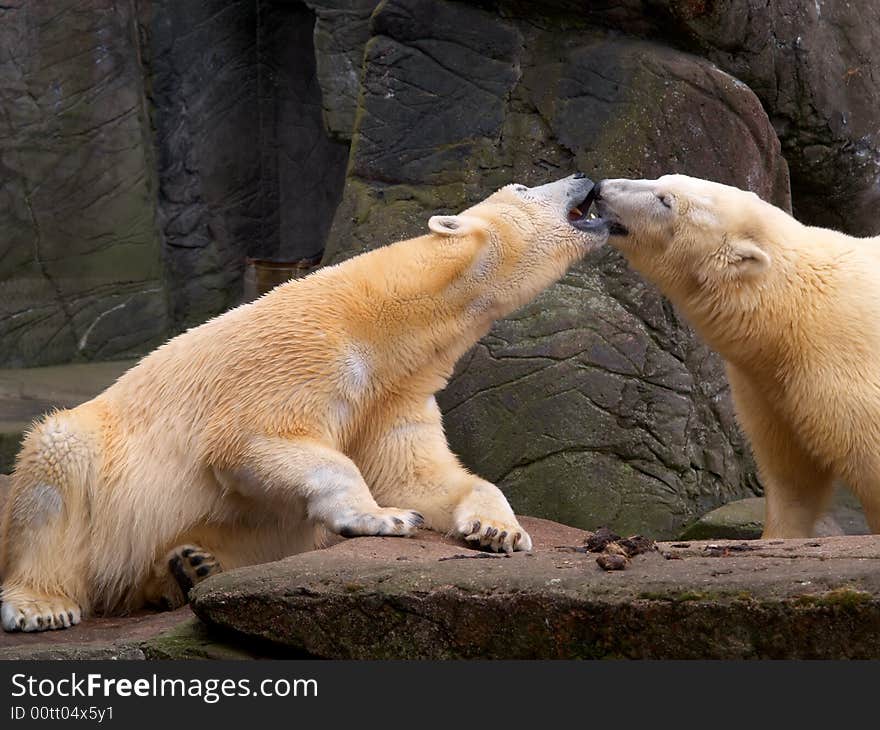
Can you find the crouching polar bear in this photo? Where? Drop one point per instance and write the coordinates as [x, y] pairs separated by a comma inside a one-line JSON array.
[[310, 409], [795, 313]]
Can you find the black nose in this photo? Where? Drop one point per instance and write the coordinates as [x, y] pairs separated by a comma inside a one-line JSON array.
[[579, 175]]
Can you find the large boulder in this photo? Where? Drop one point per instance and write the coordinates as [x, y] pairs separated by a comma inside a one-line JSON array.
[[815, 67], [433, 598], [80, 266], [743, 519], [594, 404]]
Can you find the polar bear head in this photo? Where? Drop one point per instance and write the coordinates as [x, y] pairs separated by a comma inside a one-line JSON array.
[[723, 255], [520, 240], [691, 236]]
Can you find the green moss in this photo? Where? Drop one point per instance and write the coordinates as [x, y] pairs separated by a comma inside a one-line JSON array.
[[840, 597], [192, 640], [678, 597]]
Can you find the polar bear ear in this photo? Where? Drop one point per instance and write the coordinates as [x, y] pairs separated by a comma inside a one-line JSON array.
[[455, 225], [746, 257]]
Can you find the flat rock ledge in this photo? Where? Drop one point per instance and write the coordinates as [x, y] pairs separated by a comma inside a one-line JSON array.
[[433, 598]]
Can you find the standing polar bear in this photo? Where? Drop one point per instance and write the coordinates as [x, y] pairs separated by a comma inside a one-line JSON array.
[[795, 313], [310, 409]]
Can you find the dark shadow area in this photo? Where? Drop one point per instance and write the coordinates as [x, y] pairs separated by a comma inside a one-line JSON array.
[[245, 167]]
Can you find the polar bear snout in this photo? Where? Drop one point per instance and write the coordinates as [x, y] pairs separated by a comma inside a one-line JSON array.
[[627, 205]]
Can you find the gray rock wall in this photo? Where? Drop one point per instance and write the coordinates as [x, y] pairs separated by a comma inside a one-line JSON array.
[[245, 166], [80, 266]]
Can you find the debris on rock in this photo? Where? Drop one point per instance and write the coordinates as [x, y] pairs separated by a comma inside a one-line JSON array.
[[637, 544], [597, 541], [723, 551], [612, 561], [615, 550]]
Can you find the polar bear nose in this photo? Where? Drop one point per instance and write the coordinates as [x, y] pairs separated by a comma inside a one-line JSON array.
[[579, 175]]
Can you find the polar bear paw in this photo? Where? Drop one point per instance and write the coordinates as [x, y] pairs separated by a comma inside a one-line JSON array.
[[189, 565], [23, 612], [496, 535], [385, 521]]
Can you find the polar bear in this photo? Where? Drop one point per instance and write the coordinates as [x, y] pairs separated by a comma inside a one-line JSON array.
[[309, 410], [795, 313]]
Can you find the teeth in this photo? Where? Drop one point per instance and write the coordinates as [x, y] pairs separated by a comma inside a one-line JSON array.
[[577, 212], [593, 215]]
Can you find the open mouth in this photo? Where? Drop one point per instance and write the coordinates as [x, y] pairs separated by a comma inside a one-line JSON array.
[[585, 217]]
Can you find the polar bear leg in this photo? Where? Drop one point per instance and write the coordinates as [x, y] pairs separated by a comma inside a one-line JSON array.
[[330, 483], [412, 462], [797, 489], [865, 484], [44, 571], [45, 549]]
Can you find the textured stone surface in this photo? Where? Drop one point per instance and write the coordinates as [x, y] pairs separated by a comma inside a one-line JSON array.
[[382, 598], [815, 68], [95, 638], [193, 640], [342, 28], [431, 597], [743, 519], [80, 269], [594, 404], [245, 166]]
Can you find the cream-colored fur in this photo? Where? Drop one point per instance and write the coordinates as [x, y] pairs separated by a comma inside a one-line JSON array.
[[795, 312], [310, 409]]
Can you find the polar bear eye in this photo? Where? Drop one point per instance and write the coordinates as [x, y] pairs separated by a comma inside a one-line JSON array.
[[520, 188], [665, 199]]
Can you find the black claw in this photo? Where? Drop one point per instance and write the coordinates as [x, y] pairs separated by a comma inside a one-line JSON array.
[[59, 619], [502, 536], [196, 560], [516, 538], [187, 552], [491, 532], [203, 571], [21, 623], [397, 521], [40, 621], [70, 616], [477, 526], [348, 532], [175, 566], [418, 519]]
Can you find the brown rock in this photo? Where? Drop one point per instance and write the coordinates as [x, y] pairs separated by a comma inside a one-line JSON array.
[[417, 598]]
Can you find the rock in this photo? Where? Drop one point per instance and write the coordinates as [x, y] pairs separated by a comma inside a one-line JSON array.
[[342, 28], [193, 640], [80, 261], [428, 598], [245, 166], [594, 404], [743, 519], [145, 635], [823, 105], [94, 638]]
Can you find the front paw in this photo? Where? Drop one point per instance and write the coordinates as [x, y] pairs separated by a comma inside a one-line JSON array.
[[386, 521], [496, 535]]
